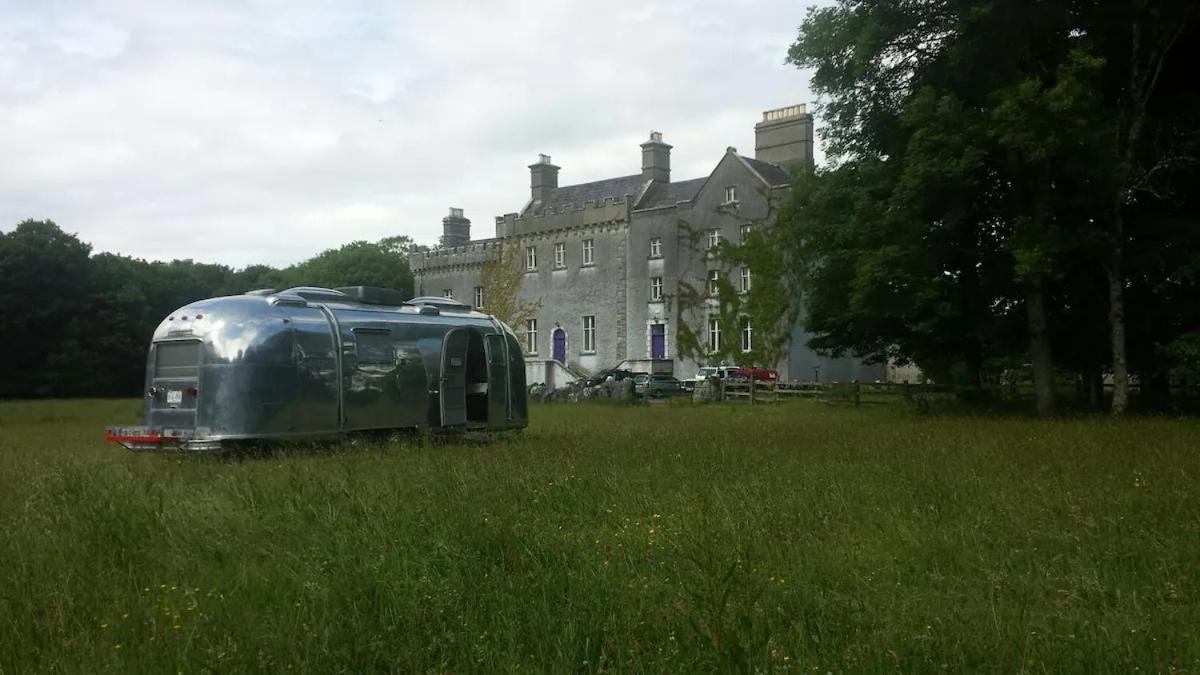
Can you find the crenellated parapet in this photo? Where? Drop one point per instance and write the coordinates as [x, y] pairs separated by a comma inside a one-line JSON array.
[[565, 217], [443, 258]]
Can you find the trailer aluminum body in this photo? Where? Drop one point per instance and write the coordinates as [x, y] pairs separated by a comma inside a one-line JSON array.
[[313, 363]]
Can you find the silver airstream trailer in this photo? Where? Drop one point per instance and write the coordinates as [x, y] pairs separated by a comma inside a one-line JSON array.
[[310, 363]]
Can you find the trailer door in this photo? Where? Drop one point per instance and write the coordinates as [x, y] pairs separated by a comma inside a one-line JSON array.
[[453, 389], [497, 359]]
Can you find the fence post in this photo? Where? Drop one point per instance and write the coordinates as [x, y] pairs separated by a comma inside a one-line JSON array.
[[857, 394], [751, 391]]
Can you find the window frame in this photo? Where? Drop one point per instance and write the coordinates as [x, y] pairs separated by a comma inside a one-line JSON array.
[[656, 247], [747, 335], [714, 334], [531, 331], [560, 255], [530, 258], [714, 238], [448, 293], [656, 289], [588, 253], [478, 297], [747, 280], [713, 287], [589, 333], [730, 194]]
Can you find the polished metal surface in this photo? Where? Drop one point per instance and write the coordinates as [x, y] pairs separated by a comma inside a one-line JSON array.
[[314, 362]]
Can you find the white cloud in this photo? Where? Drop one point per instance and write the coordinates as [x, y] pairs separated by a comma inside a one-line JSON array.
[[266, 132]]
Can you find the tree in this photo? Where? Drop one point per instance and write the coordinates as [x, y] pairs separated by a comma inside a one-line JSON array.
[[983, 134], [1139, 38], [358, 263], [501, 278], [45, 277]]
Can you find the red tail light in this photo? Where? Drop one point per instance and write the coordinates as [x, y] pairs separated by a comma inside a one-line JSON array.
[[192, 391]]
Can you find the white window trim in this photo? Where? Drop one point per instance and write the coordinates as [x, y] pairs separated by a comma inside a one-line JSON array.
[[530, 258], [747, 279], [656, 243], [747, 336], [448, 293], [714, 239], [560, 256], [588, 255], [479, 297], [730, 195], [714, 334], [656, 289], [589, 334], [531, 334], [712, 284]]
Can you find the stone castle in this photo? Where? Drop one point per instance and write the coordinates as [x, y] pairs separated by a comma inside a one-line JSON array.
[[605, 259]]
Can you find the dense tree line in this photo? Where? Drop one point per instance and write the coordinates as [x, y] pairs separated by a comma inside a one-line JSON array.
[[1012, 187], [73, 323]]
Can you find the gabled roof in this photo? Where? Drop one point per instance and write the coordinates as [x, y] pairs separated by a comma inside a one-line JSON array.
[[573, 196], [772, 174], [668, 194], [652, 194]]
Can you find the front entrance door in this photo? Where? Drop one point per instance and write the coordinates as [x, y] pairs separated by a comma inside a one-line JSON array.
[[560, 345], [453, 386], [658, 341]]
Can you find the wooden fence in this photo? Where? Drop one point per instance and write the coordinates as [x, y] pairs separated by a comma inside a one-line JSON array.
[[856, 393]]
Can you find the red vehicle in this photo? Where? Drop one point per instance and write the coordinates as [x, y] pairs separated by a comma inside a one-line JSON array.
[[759, 374]]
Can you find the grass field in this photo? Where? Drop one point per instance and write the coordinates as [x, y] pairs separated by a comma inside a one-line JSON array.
[[797, 537]]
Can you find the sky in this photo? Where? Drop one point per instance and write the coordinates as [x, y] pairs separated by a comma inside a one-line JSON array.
[[265, 132]]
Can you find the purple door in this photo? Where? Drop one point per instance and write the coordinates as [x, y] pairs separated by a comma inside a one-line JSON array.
[[658, 341], [560, 345]]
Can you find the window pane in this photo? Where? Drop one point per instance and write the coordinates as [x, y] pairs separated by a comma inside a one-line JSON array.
[[177, 359]]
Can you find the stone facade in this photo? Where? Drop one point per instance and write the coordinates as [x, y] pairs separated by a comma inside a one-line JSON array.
[[607, 256]]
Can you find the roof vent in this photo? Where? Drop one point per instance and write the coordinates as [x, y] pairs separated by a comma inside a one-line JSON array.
[[373, 295], [444, 304], [317, 293]]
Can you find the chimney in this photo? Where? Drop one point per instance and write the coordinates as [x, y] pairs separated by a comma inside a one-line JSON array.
[[656, 159], [456, 230], [543, 177], [785, 136]]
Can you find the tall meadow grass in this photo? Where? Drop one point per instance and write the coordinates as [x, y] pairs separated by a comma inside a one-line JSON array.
[[797, 537]]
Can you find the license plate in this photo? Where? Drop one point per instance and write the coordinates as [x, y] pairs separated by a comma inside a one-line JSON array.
[[174, 397], [128, 432]]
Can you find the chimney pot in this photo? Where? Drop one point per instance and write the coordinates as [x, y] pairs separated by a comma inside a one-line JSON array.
[[543, 178], [785, 136], [656, 159], [456, 230]]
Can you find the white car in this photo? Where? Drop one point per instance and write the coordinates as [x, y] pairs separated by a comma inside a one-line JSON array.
[[706, 372]]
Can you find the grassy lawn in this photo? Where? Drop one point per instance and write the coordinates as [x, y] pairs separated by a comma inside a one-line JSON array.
[[798, 537]]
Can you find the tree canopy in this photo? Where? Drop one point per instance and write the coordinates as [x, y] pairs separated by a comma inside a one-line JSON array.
[[78, 324], [1004, 179]]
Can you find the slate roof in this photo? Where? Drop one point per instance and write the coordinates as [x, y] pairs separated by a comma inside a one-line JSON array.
[[573, 196], [659, 194], [772, 173], [669, 194]]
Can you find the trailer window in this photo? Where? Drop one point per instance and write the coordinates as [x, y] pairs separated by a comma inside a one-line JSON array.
[[375, 349], [177, 359]]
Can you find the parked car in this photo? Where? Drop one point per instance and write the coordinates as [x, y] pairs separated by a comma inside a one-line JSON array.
[[617, 374], [707, 372], [655, 384], [759, 374]]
